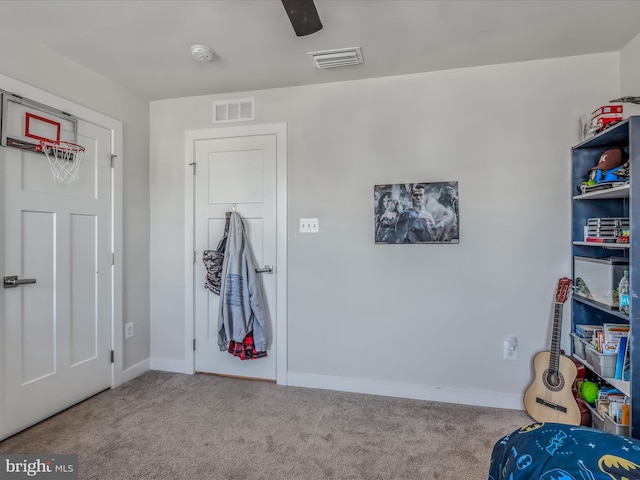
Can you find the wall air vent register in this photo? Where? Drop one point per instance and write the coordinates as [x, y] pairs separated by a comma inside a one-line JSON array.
[[240, 110], [341, 57]]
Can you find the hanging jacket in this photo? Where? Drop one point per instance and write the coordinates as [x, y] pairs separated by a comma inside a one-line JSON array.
[[213, 260], [242, 308]]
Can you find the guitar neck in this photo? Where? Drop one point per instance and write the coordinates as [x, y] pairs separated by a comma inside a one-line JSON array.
[[554, 351]]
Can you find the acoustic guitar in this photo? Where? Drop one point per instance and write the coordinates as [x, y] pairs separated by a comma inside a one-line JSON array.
[[550, 397]]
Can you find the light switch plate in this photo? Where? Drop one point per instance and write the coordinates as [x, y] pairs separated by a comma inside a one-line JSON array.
[[309, 225], [128, 330]]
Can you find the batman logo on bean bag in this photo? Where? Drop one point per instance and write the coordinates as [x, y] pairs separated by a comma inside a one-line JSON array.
[[556, 474], [619, 468]]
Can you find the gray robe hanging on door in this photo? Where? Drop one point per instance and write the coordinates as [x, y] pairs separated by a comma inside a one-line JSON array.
[[242, 308]]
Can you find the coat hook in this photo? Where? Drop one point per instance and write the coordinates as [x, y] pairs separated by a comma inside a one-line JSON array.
[[234, 207]]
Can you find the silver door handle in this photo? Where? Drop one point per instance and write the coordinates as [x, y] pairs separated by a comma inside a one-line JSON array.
[[13, 281], [265, 269]]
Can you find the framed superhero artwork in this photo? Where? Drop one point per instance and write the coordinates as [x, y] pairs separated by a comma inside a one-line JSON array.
[[422, 212]]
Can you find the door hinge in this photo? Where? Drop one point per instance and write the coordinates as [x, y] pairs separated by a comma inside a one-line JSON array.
[[194, 344], [113, 159], [112, 259], [113, 355], [194, 256]]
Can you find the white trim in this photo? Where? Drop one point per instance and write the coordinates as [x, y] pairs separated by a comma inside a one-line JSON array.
[[136, 370], [407, 390], [18, 88], [170, 365], [189, 362], [118, 251], [191, 136]]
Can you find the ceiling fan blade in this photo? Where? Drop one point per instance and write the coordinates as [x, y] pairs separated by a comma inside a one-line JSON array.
[[303, 16]]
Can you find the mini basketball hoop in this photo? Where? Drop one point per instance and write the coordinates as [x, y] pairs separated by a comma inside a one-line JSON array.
[[64, 159]]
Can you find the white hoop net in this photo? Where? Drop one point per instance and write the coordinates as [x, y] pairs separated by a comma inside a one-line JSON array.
[[64, 159]]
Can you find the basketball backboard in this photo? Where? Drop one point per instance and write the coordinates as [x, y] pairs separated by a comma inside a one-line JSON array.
[[26, 123]]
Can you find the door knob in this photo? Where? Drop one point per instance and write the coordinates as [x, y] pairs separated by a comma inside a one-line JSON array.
[[13, 281]]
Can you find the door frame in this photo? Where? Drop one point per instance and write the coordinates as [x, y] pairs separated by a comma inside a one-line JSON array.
[[115, 127], [191, 136]]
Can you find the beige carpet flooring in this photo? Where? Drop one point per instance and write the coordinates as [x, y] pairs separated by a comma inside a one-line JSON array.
[[174, 426]]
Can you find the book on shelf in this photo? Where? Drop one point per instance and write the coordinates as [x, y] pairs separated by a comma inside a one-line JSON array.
[[587, 331], [613, 331], [626, 366], [606, 341], [622, 353]]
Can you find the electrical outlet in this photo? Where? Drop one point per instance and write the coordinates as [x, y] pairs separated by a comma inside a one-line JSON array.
[[309, 225], [510, 348], [128, 330]]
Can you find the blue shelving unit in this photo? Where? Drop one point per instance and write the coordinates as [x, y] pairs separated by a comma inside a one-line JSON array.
[[621, 201]]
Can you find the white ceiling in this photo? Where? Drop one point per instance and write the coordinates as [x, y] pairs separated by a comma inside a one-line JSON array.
[[144, 44]]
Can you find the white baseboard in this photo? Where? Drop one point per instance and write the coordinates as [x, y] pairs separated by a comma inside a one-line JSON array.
[[169, 365], [407, 390], [136, 370], [359, 385]]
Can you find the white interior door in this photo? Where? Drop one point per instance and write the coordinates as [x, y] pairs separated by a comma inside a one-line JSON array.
[[56, 341], [238, 171]]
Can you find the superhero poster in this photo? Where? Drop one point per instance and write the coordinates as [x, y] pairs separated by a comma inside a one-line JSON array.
[[416, 213]]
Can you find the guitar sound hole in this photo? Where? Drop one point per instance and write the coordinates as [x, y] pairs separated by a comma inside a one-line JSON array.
[[554, 381]]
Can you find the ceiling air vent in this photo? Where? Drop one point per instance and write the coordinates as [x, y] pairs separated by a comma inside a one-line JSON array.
[[241, 110], [340, 57]]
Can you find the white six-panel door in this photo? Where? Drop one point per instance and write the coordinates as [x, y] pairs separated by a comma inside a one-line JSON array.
[[57, 332], [238, 171]]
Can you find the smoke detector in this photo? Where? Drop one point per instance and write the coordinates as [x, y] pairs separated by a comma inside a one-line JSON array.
[[340, 57], [201, 53]]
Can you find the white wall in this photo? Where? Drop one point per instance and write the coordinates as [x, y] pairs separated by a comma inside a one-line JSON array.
[[426, 321], [366, 317], [36, 65], [630, 68]]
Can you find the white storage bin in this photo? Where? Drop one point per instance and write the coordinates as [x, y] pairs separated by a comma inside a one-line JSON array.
[[604, 365], [611, 426], [578, 346], [597, 278]]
